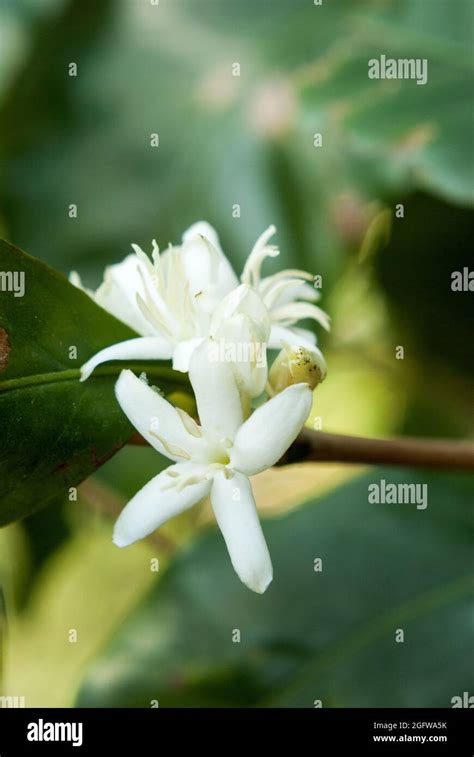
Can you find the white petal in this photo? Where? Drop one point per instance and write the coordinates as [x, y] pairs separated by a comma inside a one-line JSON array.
[[285, 291], [156, 419], [308, 292], [244, 345], [268, 282], [178, 310], [182, 354], [292, 334], [260, 251], [202, 229], [241, 328], [141, 348], [242, 301], [153, 505], [200, 261], [270, 430], [237, 517], [217, 395], [287, 315], [118, 292], [208, 271]]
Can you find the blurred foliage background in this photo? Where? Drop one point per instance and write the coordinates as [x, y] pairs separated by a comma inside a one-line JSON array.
[[249, 140]]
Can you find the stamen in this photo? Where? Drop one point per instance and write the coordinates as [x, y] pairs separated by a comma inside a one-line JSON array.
[[153, 318], [173, 449], [189, 423]]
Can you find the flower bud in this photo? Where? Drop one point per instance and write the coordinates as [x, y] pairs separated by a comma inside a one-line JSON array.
[[296, 364], [240, 329]]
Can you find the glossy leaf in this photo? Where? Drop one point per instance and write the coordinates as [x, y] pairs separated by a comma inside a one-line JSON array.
[[55, 431], [202, 639]]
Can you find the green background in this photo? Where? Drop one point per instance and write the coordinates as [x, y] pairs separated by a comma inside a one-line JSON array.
[[247, 140]]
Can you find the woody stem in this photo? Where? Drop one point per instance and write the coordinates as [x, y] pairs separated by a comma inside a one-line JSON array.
[[319, 446]]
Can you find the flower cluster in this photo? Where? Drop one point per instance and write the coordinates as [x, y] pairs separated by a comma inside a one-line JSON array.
[[188, 306]]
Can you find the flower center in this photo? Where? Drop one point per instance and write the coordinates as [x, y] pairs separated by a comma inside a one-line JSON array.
[[221, 457]]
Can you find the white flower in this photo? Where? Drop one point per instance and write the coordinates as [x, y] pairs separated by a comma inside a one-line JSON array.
[[287, 295], [239, 331], [168, 301], [176, 300], [215, 457]]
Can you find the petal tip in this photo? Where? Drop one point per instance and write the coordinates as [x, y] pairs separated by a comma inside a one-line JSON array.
[[261, 584], [123, 378], [119, 539], [85, 373]]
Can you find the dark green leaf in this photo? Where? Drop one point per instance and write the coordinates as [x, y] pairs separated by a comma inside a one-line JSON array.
[[55, 431], [328, 635]]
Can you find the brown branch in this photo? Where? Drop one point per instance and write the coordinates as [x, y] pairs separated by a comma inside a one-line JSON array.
[[319, 446]]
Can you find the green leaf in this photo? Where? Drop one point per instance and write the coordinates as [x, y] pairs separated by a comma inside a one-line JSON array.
[[328, 635], [436, 320], [251, 140], [56, 431], [408, 135]]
